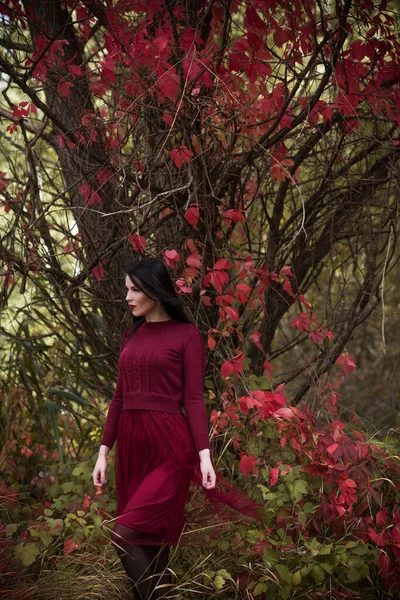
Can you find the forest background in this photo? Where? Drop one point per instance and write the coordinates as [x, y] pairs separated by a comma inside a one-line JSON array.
[[253, 147]]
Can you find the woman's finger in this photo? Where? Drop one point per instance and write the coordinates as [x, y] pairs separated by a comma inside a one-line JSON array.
[[95, 476]]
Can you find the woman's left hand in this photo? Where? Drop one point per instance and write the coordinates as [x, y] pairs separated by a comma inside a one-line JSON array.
[[208, 473]]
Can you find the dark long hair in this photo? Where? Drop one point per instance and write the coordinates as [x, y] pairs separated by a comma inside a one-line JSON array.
[[151, 276]]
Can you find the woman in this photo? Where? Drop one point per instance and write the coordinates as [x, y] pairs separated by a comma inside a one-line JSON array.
[[160, 450]]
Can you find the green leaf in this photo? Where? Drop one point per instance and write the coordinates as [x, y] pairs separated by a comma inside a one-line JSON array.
[[263, 488], [260, 589], [35, 533], [78, 470], [68, 396], [361, 550], [284, 573], [56, 526], [269, 557], [355, 561], [352, 575], [68, 486], [302, 518], [224, 545], [254, 535], [301, 486], [224, 573], [297, 578], [10, 529], [318, 574], [326, 567], [208, 574], [325, 550], [364, 571], [219, 582], [48, 512], [45, 537], [26, 553]]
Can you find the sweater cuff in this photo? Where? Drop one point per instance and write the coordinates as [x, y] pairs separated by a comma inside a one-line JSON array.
[[107, 440], [202, 442]]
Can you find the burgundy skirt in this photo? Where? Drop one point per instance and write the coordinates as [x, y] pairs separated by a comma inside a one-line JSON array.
[[156, 463]]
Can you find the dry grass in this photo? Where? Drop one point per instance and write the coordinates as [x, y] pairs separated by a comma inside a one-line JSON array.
[[95, 573]]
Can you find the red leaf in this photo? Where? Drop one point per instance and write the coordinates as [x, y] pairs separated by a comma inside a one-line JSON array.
[[332, 448], [347, 363], [317, 336], [247, 463], [192, 216], [168, 85], [171, 258], [359, 436], [69, 545], [273, 476], [377, 538], [98, 272], [86, 500], [226, 369], [302, 322], [75, 70], [350, 483], [285, 413], [382, 518], [168, 119], [181, 155], [286, 271], [138, 242], [232, 313], [254, 41], [160, 43], [287, 286], [211, 343], [232, 215], [64, 87], [278, 173], [253, 20], [281, 35], [222, 263]]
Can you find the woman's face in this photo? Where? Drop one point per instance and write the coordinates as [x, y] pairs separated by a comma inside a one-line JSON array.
[[139, 304]]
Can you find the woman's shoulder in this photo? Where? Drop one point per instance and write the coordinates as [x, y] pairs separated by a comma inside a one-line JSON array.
[[189, 330], [126, 335]]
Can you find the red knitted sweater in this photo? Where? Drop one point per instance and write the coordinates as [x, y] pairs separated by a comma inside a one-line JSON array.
[[161, 367]]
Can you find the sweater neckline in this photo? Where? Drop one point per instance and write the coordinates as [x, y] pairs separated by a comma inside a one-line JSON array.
[[154, 324]]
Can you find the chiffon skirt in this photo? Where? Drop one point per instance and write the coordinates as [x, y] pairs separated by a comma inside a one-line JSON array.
[[156, 464]]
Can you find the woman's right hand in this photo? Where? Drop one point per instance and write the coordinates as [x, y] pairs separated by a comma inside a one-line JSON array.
[[99, 471]]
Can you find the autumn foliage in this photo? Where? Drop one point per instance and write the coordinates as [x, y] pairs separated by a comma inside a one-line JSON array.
[[254, 147]]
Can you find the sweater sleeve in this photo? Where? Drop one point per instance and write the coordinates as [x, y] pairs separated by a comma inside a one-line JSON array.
[[194, 362], [115, 408]]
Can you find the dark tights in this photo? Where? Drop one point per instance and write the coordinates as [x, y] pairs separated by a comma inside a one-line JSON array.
[[146, 567]]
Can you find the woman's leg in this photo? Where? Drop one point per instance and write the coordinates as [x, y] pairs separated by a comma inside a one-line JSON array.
[[159, 557], [145, 565], [137, 566]]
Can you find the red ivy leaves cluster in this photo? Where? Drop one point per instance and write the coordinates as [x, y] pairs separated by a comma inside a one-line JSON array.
[[169, 62], [355, 482]]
